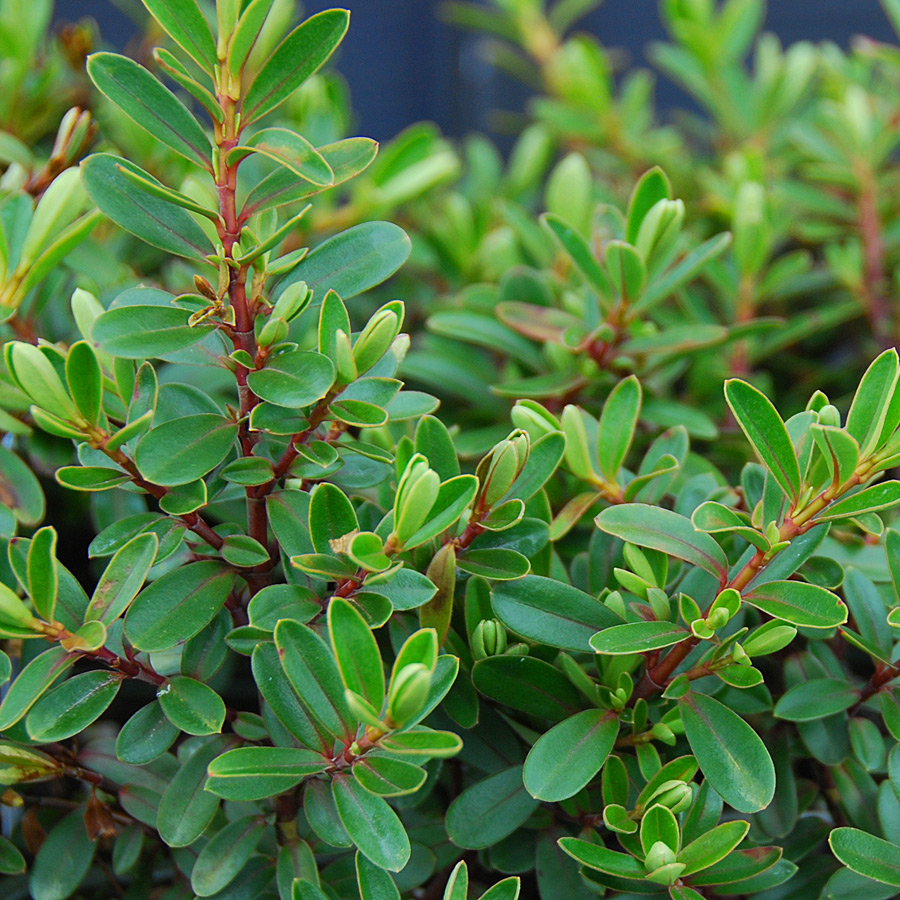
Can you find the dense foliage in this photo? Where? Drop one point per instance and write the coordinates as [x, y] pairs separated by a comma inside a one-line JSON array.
[[522, 581]]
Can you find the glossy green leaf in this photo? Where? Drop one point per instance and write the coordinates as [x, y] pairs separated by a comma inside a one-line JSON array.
[[663, 530], [145, 736], [866, 854], [799, 603], [372, 825], [765, 430], [816, 699], [356, 651], [32, 682], [185, 24], [150, 104], [290, 150], [709, 848], [617, 424], [568, 756], [254, 773], [638, 637], [871, 499], [152, 219], [730, 753], [872, 401], [293, 379], [185, 449], [177, 605], [297, 57], [354, 260], [313, 671], [141, 332], [70, 708], [388, 777], [551, 612], [123, 577], [43, 576], [191, 706], [374, 883], [602, 859]]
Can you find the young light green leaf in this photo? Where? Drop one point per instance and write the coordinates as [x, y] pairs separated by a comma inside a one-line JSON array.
[[617, 424], [872, 401]]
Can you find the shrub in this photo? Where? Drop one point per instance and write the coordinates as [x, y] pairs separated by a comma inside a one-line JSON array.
[[288, 633]]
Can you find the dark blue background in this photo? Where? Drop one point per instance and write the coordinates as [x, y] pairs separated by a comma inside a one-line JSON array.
[[404, 64]]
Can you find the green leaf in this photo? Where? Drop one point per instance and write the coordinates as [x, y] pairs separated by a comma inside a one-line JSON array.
[[765, 430], [297, 57], [32, 682], [186, 808], [497, 564], [566, 758], [617, 424], [43, 575], [63, 859], [580, 253], [816, 699], [182, 450], [313, 672], [840, 450], [871, 499], [142, 332], [666, 531], [372, 825], [356, 651], [799, 603], [709, 848], [422, 742], [550, 612], [716, 518], [150, 104], [246, 32], [150, 218], [70, 708], [185, 24], [122, 579], [347, 158], [90, 478], [652, 187], [145, 736], [21, 489], [191, 706], [490, 810], [374, 882], [388, 777], [683, 272], [353, 261], [730, 753], [293, 379], [872, 401], [866, 854], [227, 852], [626, 269], [254, 773], [178, 605], [290, 150], [453, 497], [638, 637], [84, 379], [603, 860], [11, 860]]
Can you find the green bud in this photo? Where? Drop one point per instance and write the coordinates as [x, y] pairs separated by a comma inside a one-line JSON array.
[[676, 795], [663, 733], [416, 494], [518, 649], [376, 338], [660, 854], [293, 300], [533, 419], [660, 604], [488, 639], [343, 359], [409, 691]]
